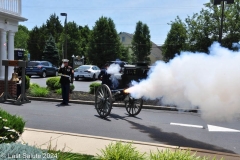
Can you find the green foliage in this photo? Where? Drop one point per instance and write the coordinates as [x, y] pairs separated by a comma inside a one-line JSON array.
[[51, 82], [50, 52], [34, 85], [57, 85], [141, 43], [27, 82], [59, 91], [176, 40], [104, 42], [93, 87], [177, 154], [25, 151], [11, 127], [37, 37], [21, 37], [120, 151], [72, 87], [39, 92]]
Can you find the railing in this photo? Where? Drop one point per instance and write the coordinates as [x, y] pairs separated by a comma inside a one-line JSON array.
[[11, 6]]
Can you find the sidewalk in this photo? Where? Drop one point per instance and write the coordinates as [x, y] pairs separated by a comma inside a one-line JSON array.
[[91, 145]]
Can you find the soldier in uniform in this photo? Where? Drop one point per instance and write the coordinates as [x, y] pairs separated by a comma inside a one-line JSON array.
[[66, 79], [105, 77]]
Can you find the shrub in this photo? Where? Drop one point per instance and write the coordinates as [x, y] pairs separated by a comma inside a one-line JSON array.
[[57, 85], [72, 87], [59, 91], [11, 150], [39, 92], [34, 85], [11, 127], [177, 154], [93, 87], [119, 151], [27, 82], [51, 82]]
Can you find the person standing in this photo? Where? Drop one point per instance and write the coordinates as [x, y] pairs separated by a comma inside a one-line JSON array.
[[66, 80], [105, 77]]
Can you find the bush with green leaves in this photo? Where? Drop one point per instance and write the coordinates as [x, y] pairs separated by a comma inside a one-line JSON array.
[[23, 151], [173, 155], [121, 151], [72, 87], [11, 127], [59, 91], [93, 87], [34, 85], [27, 82], [39, 92], [57, 85], [51, 82]]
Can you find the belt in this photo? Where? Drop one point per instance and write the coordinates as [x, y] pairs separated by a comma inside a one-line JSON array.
[[64, 75]]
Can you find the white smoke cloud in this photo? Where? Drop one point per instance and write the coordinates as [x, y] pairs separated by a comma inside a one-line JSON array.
[[113, 69], [211, 82]]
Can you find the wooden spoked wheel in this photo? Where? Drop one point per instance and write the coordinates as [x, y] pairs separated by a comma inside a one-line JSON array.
[[133, 106], [103, 101]]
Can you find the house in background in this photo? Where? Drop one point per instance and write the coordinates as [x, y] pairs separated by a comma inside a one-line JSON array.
[[156, 52], [10, 16]]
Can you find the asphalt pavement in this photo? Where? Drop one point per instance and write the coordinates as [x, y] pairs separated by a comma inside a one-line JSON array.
[[81, 85], [154, 126]]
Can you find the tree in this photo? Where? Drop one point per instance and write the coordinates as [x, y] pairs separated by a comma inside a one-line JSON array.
[[176, 40], [204, 27], [54, 27], [21, 37], [36, 42], [104, 43], [141, 43], [85, 33], [50, 52]]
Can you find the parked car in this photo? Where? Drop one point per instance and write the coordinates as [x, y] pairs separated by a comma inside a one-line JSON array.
[[86, 71], [41, 68]]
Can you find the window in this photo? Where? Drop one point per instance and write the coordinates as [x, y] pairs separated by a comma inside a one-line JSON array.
[[123, 39], [32, 64], [45, 64]]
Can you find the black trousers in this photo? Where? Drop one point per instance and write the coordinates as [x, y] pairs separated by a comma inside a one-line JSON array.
[[65, 92]]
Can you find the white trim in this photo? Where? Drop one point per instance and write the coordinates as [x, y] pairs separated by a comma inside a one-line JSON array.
[[212, 128], [187, 125]]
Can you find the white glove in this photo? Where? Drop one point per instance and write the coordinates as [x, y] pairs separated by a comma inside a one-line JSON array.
[[62, 66]]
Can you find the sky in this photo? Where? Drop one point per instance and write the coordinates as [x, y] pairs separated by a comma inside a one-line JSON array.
[[125, 13]]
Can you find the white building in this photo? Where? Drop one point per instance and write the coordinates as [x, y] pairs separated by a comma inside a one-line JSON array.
[[10, 16]]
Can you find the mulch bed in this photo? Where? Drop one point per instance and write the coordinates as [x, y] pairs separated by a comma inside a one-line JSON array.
[[85, 96]]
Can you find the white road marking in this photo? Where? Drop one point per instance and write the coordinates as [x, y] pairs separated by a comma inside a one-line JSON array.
[[187, 125], [212, 128]]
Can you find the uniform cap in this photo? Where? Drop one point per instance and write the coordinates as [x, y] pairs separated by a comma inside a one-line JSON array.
[[65, 60]]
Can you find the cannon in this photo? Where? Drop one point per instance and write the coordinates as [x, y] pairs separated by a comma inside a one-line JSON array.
[[106, 96]]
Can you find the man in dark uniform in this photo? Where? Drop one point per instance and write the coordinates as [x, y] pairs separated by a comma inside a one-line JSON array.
[[104, 76], [66, 79]]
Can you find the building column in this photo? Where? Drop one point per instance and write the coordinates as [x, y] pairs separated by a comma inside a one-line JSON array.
[[3, 53], [10, 52]]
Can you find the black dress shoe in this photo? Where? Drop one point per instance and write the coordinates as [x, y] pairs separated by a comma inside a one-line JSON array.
[[62, 103]]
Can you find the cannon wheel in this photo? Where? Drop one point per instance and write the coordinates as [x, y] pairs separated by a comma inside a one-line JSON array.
[[133, 106], [103, 101]]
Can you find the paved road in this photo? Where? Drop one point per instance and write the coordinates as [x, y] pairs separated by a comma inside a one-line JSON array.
[[81, 85], [149, 126]]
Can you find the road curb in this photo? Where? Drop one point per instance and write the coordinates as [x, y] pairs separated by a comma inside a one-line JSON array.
[[153, 107], [203, 151]]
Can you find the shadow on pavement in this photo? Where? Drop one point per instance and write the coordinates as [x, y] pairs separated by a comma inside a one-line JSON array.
[[174, 139]]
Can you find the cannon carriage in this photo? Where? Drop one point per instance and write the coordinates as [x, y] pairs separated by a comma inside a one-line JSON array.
[[106, 96]]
